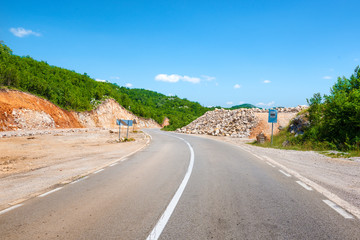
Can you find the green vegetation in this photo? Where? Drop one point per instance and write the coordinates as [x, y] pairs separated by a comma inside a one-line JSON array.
[[334, 122], [245, 105], [300, 144], [335, 118], [74, 91]]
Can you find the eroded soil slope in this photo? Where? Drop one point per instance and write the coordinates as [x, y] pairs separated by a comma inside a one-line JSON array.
[[24, 111], [19, 110]]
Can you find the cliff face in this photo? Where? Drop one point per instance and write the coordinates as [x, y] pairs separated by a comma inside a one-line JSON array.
[[24, 111], [105, 115]]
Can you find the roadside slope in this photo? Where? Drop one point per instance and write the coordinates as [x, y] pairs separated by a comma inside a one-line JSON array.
[[24, 111]]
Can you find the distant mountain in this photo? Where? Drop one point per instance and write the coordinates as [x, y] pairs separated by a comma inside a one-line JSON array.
[[73, 91], [245, 105]]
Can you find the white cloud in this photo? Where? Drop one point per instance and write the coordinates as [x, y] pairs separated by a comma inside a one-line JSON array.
[[128, 85], [327, 77], [241, 102], [100, 80], [191, 79], [229, 103], [237, 86], [356, 59], [22, 32], [208, 78], [267, 81], [269, 104], [173, 78], [115, 77]]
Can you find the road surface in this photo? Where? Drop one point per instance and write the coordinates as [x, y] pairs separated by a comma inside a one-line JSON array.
[[182, 187]]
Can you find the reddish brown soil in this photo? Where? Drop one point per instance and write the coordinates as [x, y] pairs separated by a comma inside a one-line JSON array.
[[10, 100]]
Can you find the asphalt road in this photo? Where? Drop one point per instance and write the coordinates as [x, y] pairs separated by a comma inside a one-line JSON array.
[[230, 194]]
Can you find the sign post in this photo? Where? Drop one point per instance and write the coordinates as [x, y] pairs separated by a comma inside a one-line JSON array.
[[124, 122], [272, 119], [118, 122]]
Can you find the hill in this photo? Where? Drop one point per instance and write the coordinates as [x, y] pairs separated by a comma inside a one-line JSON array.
[[245, 105], [24, 111], [79, 92]]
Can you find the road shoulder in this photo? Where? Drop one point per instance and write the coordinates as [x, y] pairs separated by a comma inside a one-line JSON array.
[[36, 164]]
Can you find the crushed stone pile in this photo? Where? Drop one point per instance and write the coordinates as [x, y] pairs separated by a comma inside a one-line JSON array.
[[234, 123], [220, 122]]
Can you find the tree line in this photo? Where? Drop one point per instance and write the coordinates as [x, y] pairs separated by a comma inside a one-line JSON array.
[[79, 92]]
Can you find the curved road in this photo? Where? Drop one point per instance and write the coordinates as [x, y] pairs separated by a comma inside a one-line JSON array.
[[230, 194]]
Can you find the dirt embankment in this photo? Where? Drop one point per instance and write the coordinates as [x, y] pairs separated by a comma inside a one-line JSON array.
[[265, 127], [19, 110], [24, 111]]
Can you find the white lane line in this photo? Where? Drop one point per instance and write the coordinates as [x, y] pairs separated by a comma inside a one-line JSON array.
[[304, 185], [270, 164], [80, 179], [124, 159], [115, 163], [341, 211], [160, 225], [285, 173], [258, 156], [99, 171], [49, 192], [10, 208], [333, 197]]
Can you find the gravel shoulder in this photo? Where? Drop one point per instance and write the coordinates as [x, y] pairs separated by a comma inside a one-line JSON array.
[[337, 175], [33, 162]]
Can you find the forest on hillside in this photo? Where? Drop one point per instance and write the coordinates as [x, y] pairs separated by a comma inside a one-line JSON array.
[[79, 92]]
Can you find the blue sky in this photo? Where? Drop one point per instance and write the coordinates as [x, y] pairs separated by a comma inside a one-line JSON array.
[[268, 53]]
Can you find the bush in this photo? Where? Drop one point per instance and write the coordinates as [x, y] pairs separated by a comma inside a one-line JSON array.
[[335, 118]]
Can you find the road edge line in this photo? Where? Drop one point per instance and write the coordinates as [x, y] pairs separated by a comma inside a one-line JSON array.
[[160, 225], [332, 196]]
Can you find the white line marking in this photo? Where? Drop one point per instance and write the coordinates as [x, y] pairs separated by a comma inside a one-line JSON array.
[[341, 211], [270, 164], [80, 179], [47, 193], [115, 163], [99, 171], [304, 185], [160, 225], [258, 156], [333, 197], [10, 208], [285, 173], [124, 159]]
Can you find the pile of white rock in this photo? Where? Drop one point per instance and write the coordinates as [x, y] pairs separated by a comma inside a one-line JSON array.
[[220, 122], [234, 123]]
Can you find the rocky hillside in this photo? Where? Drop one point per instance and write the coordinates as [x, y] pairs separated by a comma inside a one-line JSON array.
[[24, 111], [239, 123]]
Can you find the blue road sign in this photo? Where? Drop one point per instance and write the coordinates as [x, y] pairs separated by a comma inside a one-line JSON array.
[[124, 122], [272, 116]]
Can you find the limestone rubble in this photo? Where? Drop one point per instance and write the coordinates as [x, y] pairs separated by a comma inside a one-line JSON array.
[[234, 123]]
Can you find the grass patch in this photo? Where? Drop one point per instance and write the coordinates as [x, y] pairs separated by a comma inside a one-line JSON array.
[[299, 144]]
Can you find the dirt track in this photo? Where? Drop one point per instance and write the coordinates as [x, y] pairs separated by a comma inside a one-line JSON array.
[[35, 163]]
